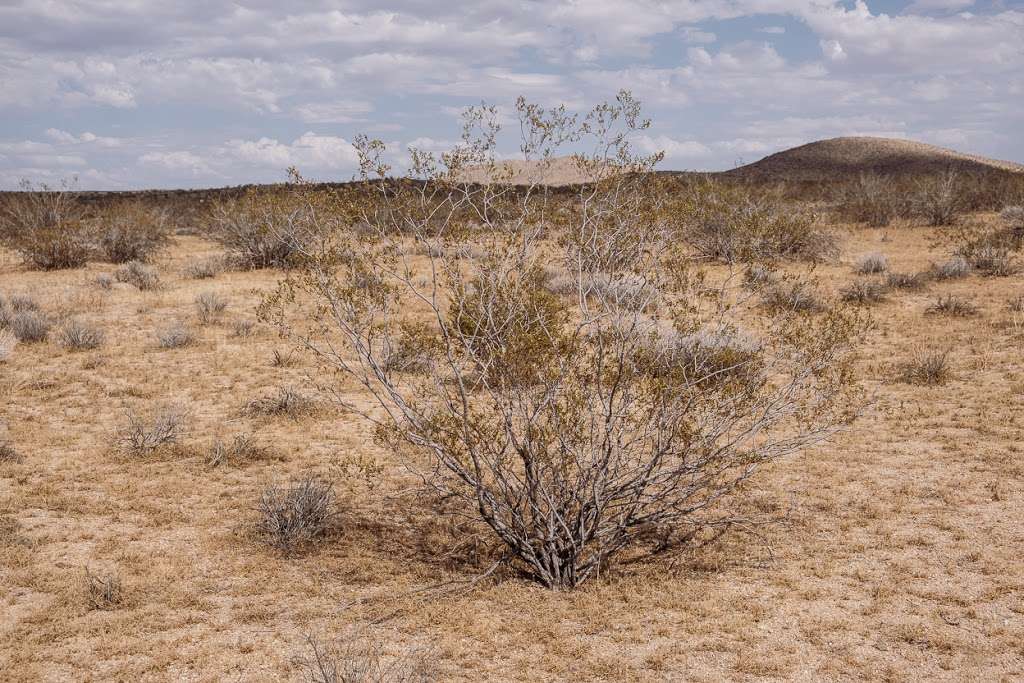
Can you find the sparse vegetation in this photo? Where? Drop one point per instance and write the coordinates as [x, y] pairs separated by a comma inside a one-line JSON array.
[[872, 263], [796, 296], [953, 269], [243, 327], [210, 306], [864, 292], [728, 225], [907, 281], [204, 269], [285, 402], [291, 517], [952, 306], [30, 326], [102, 591], [242, 448], [142, 435], [503, 428], [175, 335], [872, 199], [129, 230], [139, 275], [8, 453], [266, 230], [76, 335], [930, 368], [938, 198], [45, 225], [8, 341], [359, 660]]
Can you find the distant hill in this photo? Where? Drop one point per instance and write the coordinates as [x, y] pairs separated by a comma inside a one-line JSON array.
[[839, 158]]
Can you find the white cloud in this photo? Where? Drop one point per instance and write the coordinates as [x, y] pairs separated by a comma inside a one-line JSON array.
[[308, 152], [178, 161]]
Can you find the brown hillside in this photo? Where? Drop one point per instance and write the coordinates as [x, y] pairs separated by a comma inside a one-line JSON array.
[[837, 158]]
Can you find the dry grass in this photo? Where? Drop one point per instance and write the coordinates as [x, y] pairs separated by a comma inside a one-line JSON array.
[[79, 336], [898, 559], [294, 516], [928, 368]]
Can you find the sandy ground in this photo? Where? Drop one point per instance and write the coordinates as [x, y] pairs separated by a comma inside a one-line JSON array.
[[901, 558]]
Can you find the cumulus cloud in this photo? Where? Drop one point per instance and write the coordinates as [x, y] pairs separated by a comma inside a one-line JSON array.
[[213, 91]]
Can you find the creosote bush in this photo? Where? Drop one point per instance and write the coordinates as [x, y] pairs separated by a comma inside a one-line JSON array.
[[732, 225], [872, 200], [130, 230], [928, 368], [563, 424], [938, 199], [294, 516], [45, 226], [142, 434], [138, 274], [76, 335], [266, 229]]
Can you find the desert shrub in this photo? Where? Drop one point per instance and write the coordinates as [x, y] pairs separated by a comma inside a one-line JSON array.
[[293, 516], [175, 335], [142, 435], [268, 229], [20, 303], [286, 402], [796, 296], [907, 281], [871, 199], [729, 225], [544, 422], [138, 274], [759, 275], [359, 660], [283, 359], [938, 199], [210, 306], [414, 351], [243, 327], [76, 335], [953, 306], [8, 453], [104, 281], [1016, 304], [928, 368], [1013, 216], [953, 269], [628, 291], [130, 230], [102, 591], [8, 341], [993, 261], [242, 448], [870, 264], [204, 269], [30, 326], [45, 226], [864, 292]]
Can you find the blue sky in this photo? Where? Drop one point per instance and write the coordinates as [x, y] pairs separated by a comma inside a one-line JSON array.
[[147, 93]]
